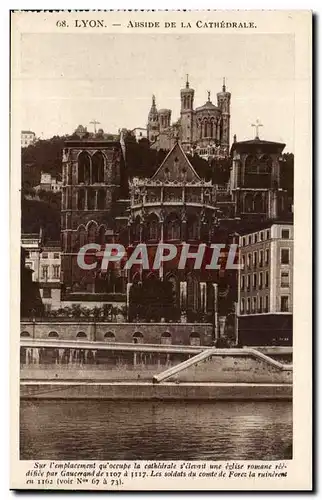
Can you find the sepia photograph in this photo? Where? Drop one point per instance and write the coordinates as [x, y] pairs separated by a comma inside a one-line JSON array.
[[157, 222]]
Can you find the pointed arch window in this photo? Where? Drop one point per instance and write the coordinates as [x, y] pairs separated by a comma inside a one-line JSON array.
[[248, 204], [91, 233], [153, 228], [193, 228], [81, 199], [98, 164], [81, 236], [101, 236], [101, 199], [91, 195], [173, 228], [84, 168], [211, 128]]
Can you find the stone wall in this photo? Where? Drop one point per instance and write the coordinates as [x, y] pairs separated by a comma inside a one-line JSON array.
[[101, 390], [151, 333]]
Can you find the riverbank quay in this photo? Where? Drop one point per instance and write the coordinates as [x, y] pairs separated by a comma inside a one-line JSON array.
[[70, 389]]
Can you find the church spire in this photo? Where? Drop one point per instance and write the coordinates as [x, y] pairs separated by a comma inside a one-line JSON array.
[[224, 85], [153, 114], [187, 81]]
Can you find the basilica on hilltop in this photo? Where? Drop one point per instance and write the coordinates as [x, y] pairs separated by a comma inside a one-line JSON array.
[[204, 130]]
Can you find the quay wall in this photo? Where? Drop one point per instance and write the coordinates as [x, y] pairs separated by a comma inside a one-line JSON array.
[[150, 333], [166, 391], [137, 366]]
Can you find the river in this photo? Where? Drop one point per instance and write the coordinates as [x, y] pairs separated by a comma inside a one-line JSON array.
[[182, 430]]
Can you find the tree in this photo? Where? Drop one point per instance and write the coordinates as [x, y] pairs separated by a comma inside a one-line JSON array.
[[151, 300]]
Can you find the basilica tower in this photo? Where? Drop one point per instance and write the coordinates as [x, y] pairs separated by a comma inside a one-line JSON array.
[[186, 115], [153, 126], [223, 100]]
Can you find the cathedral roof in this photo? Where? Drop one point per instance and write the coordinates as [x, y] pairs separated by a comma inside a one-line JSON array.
[[254, 144], [208, 105], [174, 164]]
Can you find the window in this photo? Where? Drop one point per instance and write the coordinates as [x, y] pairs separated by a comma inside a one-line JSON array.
[[261, 236], [254, 304], [267, 256], [254, 281], [285, 279], [268, 234], [56, 271], [266, 303], [44, 255], [138, 338], [261, 258], [266, 279], [109, 337], [242, 282], [243, 262], [248, 305], [81, 335], [260, 283], [248, 282], [255, 259], [56, 255], [243, 241], [249, 240], [260, 304], [44, 272], [255, 238], [285, 256], [249, 260], [284, 303], [285, 234], [166, 338], [46, 293], [242, 306], [194, 338]]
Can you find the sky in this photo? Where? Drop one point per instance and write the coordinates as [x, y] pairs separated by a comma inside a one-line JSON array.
[[71, 79]]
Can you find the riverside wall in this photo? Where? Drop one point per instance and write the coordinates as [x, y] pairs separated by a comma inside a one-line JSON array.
[[150, 333], [149, 391]]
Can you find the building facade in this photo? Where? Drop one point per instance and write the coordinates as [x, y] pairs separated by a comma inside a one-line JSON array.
[[48, 183], [177, 206], [205, 129], [44, 261], [255, 180], [265, 285], [49, 278], [140, 133], [27, 137], [92, 211]]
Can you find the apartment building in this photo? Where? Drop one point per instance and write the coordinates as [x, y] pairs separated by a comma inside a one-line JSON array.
[[265, 285]]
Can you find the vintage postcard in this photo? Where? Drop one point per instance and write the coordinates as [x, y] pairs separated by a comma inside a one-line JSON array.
[[161, 234]]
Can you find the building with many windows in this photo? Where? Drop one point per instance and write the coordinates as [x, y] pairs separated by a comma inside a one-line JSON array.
[[27, 137], [265, 285], [49, 278], [44, 260], [49, 183]]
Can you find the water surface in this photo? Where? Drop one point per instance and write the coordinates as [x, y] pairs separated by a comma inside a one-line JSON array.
[[182, 430]]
